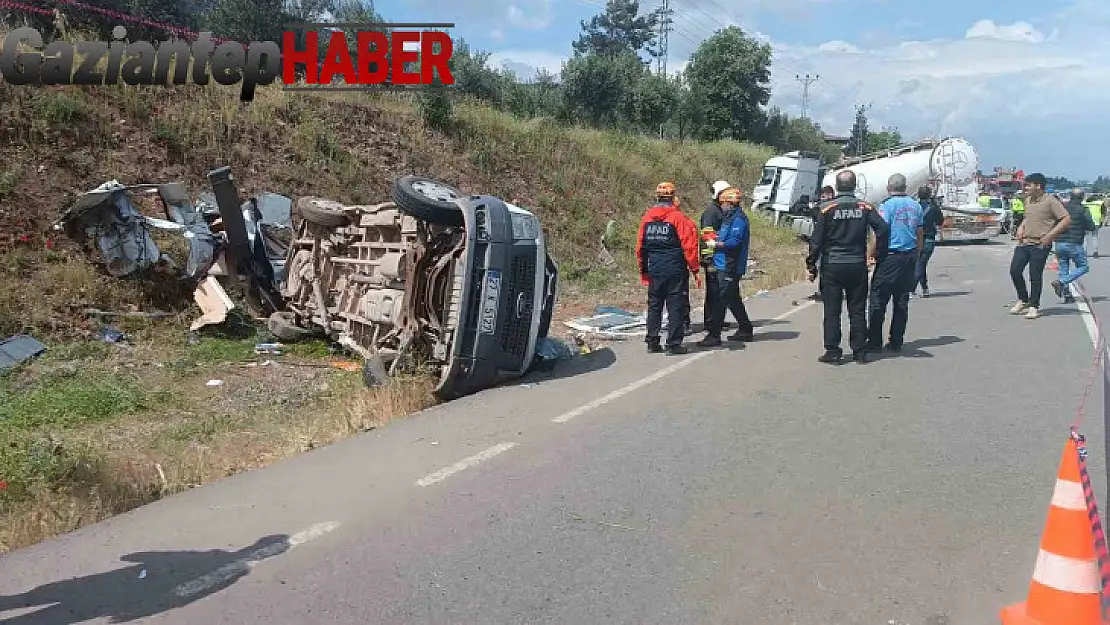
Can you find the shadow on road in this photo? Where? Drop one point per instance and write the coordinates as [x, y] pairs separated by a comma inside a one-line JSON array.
[[935, 294], [601, 358], [781, 335], [761, 323], [1059, 309], [915, 348], [159, 581]]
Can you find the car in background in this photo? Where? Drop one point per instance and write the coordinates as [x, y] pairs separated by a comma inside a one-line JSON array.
[[1001, 207]]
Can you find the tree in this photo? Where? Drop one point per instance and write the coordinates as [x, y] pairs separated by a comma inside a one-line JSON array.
[[654, 100], [473, 76], [857, 145], [165, 11], [888, 139], [1101, 185], [619, 29], [729, 79], [598, 89], [247, 20]]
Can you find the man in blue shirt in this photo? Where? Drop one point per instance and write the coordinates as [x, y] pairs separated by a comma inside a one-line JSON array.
[[896, 273], [730, 259]]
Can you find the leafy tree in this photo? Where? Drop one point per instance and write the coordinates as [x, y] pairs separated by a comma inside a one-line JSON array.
[[598, 89], [166, 11], [619, 29], [1101, 185], [1059, 182], [474, 77], [786, 134], [653, 101], [247, 20], [729, 79], [888, 139]]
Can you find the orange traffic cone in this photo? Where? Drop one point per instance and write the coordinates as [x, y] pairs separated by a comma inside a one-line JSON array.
[[1066, 583]]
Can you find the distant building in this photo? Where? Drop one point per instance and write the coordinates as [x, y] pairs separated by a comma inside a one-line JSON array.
[[838, 141]]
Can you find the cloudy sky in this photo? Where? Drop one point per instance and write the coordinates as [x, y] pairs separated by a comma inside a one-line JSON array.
[[1028, 84]]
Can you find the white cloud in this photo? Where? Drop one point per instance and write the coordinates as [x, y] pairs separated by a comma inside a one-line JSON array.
[[526, 62], [1018, 31], [839, 46], [530, 16]]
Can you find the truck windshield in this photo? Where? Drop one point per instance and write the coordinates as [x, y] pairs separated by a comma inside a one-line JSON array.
[[768, 176]]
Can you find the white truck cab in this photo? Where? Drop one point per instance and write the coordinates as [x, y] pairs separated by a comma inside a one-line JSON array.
[[785, 180]]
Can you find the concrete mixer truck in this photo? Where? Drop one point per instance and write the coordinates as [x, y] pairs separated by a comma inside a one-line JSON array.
[[950, 166]]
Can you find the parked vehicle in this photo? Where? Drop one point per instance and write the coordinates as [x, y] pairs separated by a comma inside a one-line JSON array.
[[948, 165]]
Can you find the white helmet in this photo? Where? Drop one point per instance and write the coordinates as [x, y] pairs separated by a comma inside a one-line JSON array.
[[719, 186]]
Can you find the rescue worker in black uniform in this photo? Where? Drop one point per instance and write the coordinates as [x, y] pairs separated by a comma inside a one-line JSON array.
[[839, 242]]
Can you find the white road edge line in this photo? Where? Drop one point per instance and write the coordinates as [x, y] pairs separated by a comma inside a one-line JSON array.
[[662, 373], [241, 566], [1088, 317], [464, 464]]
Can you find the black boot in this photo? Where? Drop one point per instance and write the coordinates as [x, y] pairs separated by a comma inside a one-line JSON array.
[[654, 347], [710, 341], [830, 357], [677, 350]]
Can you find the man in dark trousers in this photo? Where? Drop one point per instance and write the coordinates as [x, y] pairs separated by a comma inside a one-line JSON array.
[[711, 221], [1045, 220], [896, 272], [1069, 246], [931, 222], [667, 252], [730, 259], [839, 242]]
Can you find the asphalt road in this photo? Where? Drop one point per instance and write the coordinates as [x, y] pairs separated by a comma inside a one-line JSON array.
[[747, 486]]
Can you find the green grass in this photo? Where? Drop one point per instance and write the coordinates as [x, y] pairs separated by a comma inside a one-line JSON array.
[[70, 398], [312, 348]]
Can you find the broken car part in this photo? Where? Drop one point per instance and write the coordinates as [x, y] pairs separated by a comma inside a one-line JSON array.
[[17, 349]]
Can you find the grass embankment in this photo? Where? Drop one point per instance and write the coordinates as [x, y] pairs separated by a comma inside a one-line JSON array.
[[92, 429]]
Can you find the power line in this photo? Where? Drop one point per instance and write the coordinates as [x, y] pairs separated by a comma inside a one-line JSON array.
[[806, 82]]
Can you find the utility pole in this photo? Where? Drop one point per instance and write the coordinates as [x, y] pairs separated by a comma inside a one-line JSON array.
[[665, 22], [806, 82], [859, 133]]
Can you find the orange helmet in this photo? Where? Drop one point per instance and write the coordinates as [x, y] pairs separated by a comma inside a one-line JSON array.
[[665, 189], [731, 195]]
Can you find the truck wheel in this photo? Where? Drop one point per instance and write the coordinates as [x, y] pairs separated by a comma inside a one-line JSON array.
[[284, 328], [327, 213], [429, 200]]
